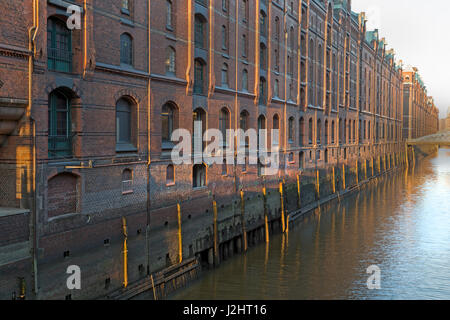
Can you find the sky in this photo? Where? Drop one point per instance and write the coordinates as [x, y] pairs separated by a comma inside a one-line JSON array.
[[419, 32]]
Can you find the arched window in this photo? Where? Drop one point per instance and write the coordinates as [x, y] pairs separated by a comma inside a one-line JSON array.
[[310, 131], [200, 31], [123, 125], [243, 120], [170, 61], [225, 75], [333, 132], [199, 119], [291, 130], [127, 181], [326, 132], [243, 124], [199, 74], [319, 131], [169, 123], [59, 125], [224, 124], [261, 126], [262, 23], [276, 126], [244, 80], [341, 131], [199, 176], [301, 132], [170, 175], [126, 49], [59, 46], [262, 91], [345, 131], [291, 157]]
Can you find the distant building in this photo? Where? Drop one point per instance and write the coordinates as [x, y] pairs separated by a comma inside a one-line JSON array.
[[420, 115]]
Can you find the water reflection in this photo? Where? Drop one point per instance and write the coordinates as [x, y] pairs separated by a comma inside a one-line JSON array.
[[401, 224]]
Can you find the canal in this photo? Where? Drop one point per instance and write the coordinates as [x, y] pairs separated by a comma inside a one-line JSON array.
[[401, 224]]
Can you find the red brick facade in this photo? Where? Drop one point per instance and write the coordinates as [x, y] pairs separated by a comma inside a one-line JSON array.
[[284, 66]]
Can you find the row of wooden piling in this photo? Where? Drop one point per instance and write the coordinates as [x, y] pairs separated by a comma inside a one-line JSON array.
[[387, 165]]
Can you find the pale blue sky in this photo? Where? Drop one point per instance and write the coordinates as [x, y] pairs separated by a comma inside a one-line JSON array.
[[419, 31]]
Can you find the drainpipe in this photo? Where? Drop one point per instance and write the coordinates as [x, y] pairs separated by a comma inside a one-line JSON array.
[[33, 223], [147, 231]]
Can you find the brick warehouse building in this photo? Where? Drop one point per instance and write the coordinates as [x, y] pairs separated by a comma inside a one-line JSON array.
[[86, 116], [420, 115]]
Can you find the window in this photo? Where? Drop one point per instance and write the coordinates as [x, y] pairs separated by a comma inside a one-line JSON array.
[[302, 160], [170, 175], [301, 132], [262, 56], [291, 131], [276, 126], [310, 131], [319, 131], [326, 132], [311, 73], [127, 181], [199, 176], [277, 28], [169, 14], [199, 118], [292, 38], [224, 38], [225, 5], [262, 24], [59, 125], [243, 124], [200, 25], [333, 132], [225, 75], [123, 125], [262, 91], [244, 80], [245, 9], [168, 123], [243, 121], [276, 89], [126, 49], [224, 124], [244, 46], [170, 61], [126, 5], [277, 60], [59, 46], [199, 86]]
